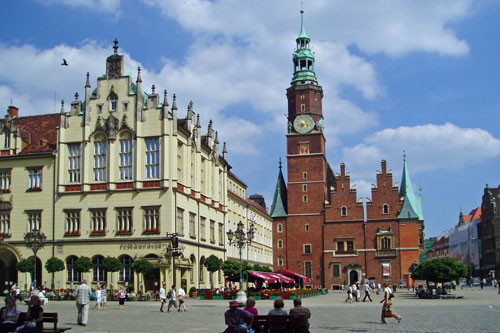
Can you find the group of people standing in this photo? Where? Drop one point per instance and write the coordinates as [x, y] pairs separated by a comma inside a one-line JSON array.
[[175, 299]]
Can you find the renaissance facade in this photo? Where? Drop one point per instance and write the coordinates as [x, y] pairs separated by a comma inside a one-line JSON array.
[[320, 228], [120, 174]]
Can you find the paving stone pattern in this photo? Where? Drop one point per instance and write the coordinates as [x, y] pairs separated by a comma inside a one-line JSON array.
[[479, 311]]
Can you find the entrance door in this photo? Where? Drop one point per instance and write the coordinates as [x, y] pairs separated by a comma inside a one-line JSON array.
[[353, 277], [150, 280], [8, 271]]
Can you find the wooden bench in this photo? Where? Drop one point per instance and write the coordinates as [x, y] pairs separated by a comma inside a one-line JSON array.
[[292, 324], [48, 317]]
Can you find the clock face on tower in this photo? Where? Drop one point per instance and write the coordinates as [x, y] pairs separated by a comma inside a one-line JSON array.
[[303, 123]]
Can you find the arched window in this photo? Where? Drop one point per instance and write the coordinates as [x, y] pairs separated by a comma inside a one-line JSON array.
[[99, 274], [126, 273], [280, 244], [385, 243], [100, 158], [202, 262], [343, 211], [113, 102], [73, 275], [385, 209], [280, 227]]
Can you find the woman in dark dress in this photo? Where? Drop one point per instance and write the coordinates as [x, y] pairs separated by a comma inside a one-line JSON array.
[[35, 316]]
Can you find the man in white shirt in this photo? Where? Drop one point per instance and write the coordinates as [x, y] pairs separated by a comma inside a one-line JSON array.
[[367, 292], [181, 296], [163, 296], [172, 299]]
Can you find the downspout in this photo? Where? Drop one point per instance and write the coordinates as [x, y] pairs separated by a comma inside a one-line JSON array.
[[366, 251], [54, 182]]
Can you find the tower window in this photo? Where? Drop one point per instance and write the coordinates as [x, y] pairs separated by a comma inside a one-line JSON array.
[[280, 227], [304, 175], [307, 227], [302, 97], [302, 107], [385, 209], [307, 249], [304, 188], [280, 244], [304, 198], [343, 211]]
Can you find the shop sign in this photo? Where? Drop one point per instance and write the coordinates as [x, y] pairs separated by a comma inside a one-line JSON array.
[[141, 246]]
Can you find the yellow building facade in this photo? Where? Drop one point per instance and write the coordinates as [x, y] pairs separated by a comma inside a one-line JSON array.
[[121, 172]]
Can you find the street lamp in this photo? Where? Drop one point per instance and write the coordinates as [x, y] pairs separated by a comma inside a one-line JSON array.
[[240, 240], [175, 251], [34, 240], [280, 262]]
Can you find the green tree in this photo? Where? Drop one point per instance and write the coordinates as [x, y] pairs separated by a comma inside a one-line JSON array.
[[54, 265], [231, 267], [142, 266], [440, 270], [26, 266], [83, 265], [262, 268], [112, 264], [213, 264]]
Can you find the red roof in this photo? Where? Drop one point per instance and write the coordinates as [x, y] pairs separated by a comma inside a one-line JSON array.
[[39, 132], [263, 277], [474, 215]]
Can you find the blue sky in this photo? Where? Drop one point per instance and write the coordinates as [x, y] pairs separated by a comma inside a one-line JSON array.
[[419, 76]]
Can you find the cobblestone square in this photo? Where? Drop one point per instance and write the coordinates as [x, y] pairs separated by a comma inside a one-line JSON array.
[[479, 311]]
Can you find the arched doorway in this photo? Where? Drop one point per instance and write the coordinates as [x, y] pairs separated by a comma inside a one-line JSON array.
[[152, 280], [353, 277], [8, 271]]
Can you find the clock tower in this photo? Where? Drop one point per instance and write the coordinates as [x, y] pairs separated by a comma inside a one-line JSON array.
[[307, 165]]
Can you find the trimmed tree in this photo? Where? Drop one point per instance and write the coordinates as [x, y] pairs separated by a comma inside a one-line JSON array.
[[232, 267], [213, 264], [83, 265], [440, 270], [54, 265], [26, 266], [143, 267], [112, 264], [262, 268]]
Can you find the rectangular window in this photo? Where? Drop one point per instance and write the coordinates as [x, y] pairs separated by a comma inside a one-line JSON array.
[[4, 222], [180, 221], [126, 150], [124, 220], [7, 140], [98, 220], [336, 270], [100, 160], [153, 158], [340, 246], [5, 180], [307, 249], [34, 220], [151, 219], [308, 269], [212, 231], [221, 234], [75, 154], [192, 225], [72, 225], [203, 222], [350, 245], [280, 261], [35, 179]]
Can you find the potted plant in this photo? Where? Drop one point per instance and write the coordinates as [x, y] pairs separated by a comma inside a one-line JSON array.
[[255, 294], [216, 295], [275, 295], [293, 295], [193, 292]]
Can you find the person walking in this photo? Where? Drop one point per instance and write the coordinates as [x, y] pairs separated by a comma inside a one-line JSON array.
[[367, 292], [355, 292], [98, 299], [181, 297], [349, 295], [163, 296], [122, 296], [83, 295], [387, 310], [103, 296], [172, 299]]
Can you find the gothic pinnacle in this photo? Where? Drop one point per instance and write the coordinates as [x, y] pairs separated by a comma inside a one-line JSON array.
[[62, 106], [165, 101], [198, 124], [87, 84], [76, 97], [139, 79], [174, 103]]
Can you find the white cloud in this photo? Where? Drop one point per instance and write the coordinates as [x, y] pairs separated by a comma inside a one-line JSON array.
[[392, 27], [428, 147], [102, 5]]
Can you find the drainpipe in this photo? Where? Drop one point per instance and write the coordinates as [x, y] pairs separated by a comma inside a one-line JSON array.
[[366, 251]]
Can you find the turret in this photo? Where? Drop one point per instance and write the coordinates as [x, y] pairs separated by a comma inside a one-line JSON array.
[[303, 58]]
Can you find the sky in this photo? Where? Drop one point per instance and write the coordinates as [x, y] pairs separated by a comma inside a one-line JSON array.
[[402, 75]]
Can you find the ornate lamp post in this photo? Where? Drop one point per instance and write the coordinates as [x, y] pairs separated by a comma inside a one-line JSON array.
[[175, 250], [280, 262], [240, 239], [35, 241]]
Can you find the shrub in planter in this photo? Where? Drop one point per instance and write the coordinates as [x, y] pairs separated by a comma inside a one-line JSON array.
[[275, 295], [255, 295], [193, 292], [293, 295], [208, 295]]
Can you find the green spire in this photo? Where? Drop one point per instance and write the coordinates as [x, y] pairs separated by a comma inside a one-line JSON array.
[[303, 58], [279, 207], [412, 206]]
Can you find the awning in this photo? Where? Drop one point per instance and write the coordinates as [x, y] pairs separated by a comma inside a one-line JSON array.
[[254, 276], [293, 274]]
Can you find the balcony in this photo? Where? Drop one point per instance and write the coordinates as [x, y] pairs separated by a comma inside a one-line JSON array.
[[385, 253]]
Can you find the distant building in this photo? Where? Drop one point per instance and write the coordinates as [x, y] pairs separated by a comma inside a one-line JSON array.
[[489, 260], [428, 244], [440, 248]]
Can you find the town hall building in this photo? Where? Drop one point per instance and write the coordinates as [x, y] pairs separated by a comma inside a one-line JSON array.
[[320, 227]]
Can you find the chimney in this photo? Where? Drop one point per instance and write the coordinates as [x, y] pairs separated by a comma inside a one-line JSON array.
[[384, 167], [13, 111]]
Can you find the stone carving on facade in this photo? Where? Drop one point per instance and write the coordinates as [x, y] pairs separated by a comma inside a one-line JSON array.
[[112, 126]]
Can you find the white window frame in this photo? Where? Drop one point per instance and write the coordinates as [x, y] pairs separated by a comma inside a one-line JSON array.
[[126, 159], [5, 176], [74, 159], [100, 160], [35, 178], [153, 158]]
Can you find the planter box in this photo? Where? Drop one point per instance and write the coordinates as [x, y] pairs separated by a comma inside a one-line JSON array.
[[218, 297], [257, 297], [293, 297], [274, 297], [202, 297]]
